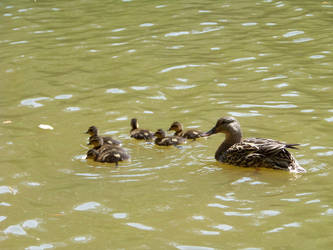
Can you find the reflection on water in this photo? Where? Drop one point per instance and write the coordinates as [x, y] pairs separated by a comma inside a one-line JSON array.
[[72, 64]]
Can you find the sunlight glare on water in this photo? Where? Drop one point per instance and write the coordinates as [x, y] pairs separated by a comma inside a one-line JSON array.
[[67, 65]]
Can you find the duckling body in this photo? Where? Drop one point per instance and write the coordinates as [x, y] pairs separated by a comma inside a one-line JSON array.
[[140, 134], [189, 134], [112, 155], [106, 152], [163, 140], [93, 131], [252, 152]]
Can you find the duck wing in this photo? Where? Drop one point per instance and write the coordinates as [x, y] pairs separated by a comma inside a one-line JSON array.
[[142, 134], [192, 134], [112, 154], [110, 140], [269, 146], [260, 152]]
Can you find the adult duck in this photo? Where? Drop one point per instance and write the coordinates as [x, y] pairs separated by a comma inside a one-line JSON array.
[[189, 134], [138, 133], [252, 152], [163, 140], [93, 131]]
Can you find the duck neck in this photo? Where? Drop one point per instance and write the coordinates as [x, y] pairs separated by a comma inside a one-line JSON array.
[[179, 133], [231, 138]]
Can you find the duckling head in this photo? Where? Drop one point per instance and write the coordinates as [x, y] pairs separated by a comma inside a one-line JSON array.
[[176, 126], [92, 130], [227, 125], [159, 133], [92, 154], [96, 141], [134, 123]]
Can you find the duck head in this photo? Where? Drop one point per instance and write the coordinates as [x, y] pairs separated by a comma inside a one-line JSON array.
[[159, 133], [176, 126], [96, 141], [92, 154], [92, 130], [134, 123], [227, 125]]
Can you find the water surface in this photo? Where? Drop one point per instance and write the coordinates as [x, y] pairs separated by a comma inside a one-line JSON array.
[[66, 65]]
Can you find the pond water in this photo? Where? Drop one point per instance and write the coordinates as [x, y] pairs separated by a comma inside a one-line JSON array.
[[67, 65]]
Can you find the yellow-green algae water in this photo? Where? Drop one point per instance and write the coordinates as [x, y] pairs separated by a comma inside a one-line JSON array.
[[72, 64]]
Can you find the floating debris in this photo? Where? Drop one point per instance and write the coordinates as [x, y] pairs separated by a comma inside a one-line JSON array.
[[45, 126]]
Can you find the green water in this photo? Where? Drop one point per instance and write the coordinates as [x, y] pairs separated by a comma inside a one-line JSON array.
[[72, 64]]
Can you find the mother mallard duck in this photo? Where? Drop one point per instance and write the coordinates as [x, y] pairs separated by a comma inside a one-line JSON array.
[[252, 152]]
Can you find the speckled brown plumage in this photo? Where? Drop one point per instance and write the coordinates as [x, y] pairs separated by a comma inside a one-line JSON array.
[[252, 152], [106, 152], [163, 140], [140, 134], [189, 134], [93, 131]]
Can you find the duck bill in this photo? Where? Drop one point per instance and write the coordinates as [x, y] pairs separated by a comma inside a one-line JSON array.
[[170, 129], [210, 132]]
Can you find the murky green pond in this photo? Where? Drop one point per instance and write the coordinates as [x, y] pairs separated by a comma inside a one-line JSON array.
[[72, 64]]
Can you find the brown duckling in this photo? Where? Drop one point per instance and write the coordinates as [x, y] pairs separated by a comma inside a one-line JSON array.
[[93, 131], [113, 154], [252, 152], [104, 152], [189, 134], [163, 140], [140, 134], [98, 143]]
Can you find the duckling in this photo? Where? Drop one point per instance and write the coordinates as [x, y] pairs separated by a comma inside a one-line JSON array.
[[93, 131], [189, 134], [140, 134], [103, 152], [252, 152], [113, 154], [98, 143], [163, 140]]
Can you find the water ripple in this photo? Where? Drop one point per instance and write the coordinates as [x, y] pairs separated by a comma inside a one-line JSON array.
[[15, 229], [34, 101], [180, 67], [223, 227], [179, 33], [293, 33], [250, 114], [302, 40], [181, 87], [274, 78], [120, 215], [8, 189], [205, 232], [140, 226], [87, 206], [243, 59], [328, 212], [238, 214], [30, 224], [279, 106], [115, 91], [82, 239], [218, 205], [192, 247], [41, 247]]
